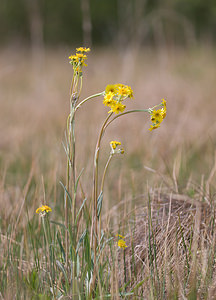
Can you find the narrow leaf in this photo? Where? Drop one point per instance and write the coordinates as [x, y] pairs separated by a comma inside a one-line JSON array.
[[60, 245], [77, 181], [99, 204], [61, 267], [66, 191], [81, 240], [81, 207], [59, 224]]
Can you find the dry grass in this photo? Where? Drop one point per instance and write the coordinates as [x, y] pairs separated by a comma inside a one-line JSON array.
[[178, 223], [170, 245]]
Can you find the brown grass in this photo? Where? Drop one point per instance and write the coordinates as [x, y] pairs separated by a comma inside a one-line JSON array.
[[33, 109], [171, 243]]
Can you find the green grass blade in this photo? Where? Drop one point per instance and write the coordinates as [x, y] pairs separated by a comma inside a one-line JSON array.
[[99, 204], [66, 191], [81, 207], [61, 267]]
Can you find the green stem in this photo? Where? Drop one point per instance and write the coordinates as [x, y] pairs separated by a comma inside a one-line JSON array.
[[94, 228], [125, 113], [72, 158], [105, 170], [70, 175], [48, 239], [71, 87], [86, 99], [95, 175], [125, 278], [102, 187]]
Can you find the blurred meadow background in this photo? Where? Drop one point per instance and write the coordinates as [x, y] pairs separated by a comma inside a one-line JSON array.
[[162, 50]]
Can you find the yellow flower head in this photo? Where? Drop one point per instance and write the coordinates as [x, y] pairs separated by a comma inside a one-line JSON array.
[[121, 151], [154, 126], [124, 91], [121, 244], [43, 208], [157, 116], [78, 60], [118, 93], [114, 144], [117, 108], [163, 103], [83, 49], [163, 112], [120, 236], [129, 92], [110, 88], [108, 99], [73, 58]]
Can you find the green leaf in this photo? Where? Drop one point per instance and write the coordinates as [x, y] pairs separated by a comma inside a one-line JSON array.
[[60, 245], [66, 191], [140, 283], [61, 267], [87, 252], [81, 207], [59, 224], [81, 240], [77, 181], [99, 204]]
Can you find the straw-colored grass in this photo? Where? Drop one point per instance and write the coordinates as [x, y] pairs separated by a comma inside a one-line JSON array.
[[160, 195]]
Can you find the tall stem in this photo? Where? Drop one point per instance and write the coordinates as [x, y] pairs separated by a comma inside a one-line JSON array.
[[71, 175], [105, 170], [101, 189], [73, 167], [94, 228]]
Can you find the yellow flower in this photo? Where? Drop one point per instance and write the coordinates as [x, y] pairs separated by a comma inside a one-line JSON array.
[[163, 103], [125, 91], [108, 99], [121, 151], [121, 236], [163, 112], [110, 88], [118, 93], [83, 49], [121, 244], [117, 108], [129, 92], [81, 55], [43, 208], [78, 61], [81, 58], [73, 58], [154, 126], [114, 144], [157, 116]]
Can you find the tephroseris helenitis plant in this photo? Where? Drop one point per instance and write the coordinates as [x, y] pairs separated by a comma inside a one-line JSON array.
[[114, 97]]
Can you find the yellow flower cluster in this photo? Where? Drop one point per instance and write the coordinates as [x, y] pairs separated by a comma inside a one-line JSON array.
[[78, 60], [114, 145], [158, 115], [115, 94], [121, 243], [43, 208]]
